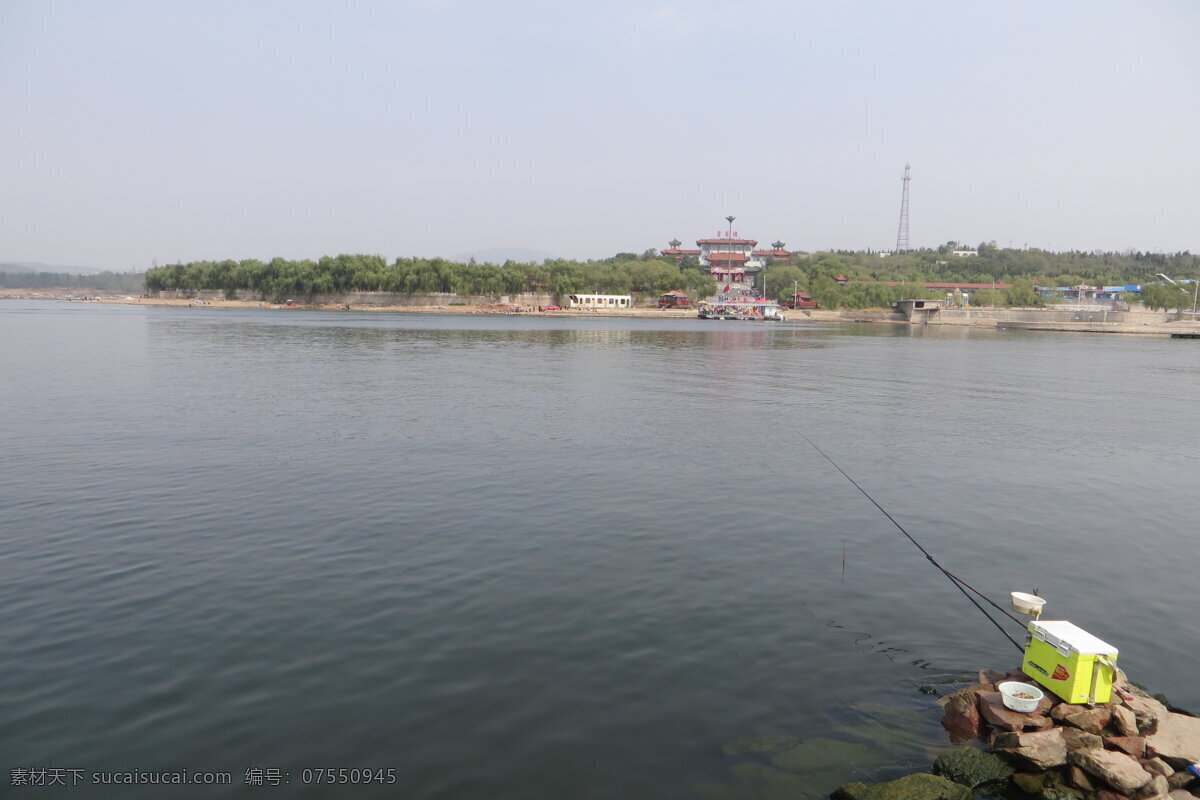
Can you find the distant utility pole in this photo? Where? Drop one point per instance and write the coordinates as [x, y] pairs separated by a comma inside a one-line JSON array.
[[902, 233]]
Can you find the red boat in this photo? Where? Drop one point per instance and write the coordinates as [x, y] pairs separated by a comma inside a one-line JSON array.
[[675, 299], [800, 300]]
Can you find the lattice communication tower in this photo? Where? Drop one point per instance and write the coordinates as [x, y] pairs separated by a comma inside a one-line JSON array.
[[902, 233]]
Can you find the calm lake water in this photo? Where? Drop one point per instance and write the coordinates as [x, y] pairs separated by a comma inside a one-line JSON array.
[[519, 558]]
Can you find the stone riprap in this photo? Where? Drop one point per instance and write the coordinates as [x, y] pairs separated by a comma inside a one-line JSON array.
[[1130, 748]]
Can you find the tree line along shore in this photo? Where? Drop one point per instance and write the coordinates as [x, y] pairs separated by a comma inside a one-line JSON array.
[[836, 279]]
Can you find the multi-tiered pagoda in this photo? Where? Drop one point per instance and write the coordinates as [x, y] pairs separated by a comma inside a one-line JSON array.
[[732, 262]]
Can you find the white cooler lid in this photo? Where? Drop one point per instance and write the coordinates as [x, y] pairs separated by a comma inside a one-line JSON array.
[[1061, 632]]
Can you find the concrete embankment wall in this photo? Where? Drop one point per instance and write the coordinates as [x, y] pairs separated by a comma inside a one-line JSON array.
[[967, 316], [1101, 320], [864, 315], [1098, 320], [1099, 315], [994, 316]]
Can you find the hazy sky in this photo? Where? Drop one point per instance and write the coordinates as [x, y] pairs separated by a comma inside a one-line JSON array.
[[140, 131]]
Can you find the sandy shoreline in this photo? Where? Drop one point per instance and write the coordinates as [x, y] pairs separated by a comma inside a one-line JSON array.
[[511, 309], [975, 318], [494, 308]]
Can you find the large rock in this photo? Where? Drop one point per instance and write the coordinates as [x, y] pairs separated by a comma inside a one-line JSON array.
[[971, 767], [1048, 702], [1092, 720], [1057, 791], [1178, 780], [1156, 789], [1148, 711], [991, 706], [1079, 779], [960, 714], [1038, 749], [1133, 745], [1031, 783], [1177, 740], [1157, 766], [1081, 740], [921, 786], [1118, 770], [1124, 721]]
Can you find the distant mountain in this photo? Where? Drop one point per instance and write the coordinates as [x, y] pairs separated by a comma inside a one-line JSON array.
[[498, 255], [34, 266]]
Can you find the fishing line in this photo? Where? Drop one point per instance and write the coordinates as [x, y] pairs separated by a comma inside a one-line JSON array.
[[957, 581]]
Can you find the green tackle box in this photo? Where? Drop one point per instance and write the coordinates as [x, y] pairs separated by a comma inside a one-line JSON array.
[[1069, 661]]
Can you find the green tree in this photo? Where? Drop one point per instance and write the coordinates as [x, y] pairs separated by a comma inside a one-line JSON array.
[[1164, 297], [783, 279], [1022, 294]]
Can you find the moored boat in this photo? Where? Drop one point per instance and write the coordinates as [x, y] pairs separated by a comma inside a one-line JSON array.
[[742, 308]]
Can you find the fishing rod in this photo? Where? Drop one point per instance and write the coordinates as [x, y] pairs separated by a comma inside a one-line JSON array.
[[957, 581]]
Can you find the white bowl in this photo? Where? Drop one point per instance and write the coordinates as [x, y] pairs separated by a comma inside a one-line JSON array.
[[1009, 691], [1024, 603]]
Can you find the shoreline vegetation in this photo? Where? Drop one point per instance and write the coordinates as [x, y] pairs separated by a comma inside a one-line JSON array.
[[844, 280], [1099, 320], [849, 286], [836, 280]]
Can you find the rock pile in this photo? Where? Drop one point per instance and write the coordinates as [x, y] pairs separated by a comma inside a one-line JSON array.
[[1131, 748]]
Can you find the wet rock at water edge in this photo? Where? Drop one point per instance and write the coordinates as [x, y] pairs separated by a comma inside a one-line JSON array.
[[1031, 782], [1060, 792], [1048, 786], [815, 755], [972, 767], [774, 784], [770, 743], [960, 714], [921, 786], [891, 736], [727, 791]]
